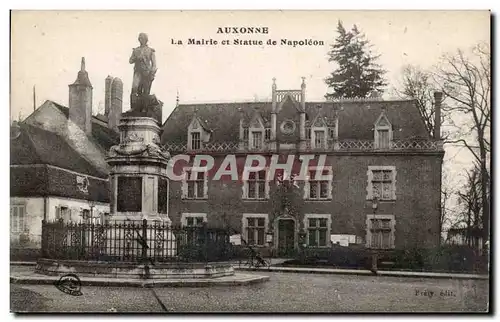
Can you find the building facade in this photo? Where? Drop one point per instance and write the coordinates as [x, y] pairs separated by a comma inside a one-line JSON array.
[[57, 162], [381, 188]]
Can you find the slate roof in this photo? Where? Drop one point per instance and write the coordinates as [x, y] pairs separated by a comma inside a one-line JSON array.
[[102, 135], [37, 146], [356, 118]]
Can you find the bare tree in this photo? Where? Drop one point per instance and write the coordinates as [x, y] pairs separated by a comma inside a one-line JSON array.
[[465, 81], [470, 198], [417, 83], [446, 219]]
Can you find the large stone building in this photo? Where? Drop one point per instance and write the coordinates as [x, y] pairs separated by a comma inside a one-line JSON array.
[[384, 188], [57, 161]]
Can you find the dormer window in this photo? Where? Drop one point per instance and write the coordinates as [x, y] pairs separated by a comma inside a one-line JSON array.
[[256, 140], [198, 134], [383, 132], [319, 132], [319, 139], [195, 140], [383, 139], [257, 132]]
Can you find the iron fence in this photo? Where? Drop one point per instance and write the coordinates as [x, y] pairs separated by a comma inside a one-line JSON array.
[[133, 241]]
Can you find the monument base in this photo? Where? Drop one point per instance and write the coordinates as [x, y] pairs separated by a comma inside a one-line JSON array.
[[169, 270]]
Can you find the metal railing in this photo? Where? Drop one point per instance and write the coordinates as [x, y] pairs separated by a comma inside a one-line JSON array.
[[133, 241], [330, 145]]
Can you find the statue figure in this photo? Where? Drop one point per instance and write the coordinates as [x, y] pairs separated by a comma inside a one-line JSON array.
[[145, 67]]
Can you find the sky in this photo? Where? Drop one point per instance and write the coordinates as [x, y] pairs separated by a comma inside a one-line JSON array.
[[47, 47]]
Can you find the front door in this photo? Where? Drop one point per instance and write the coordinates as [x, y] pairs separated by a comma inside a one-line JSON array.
[[286, 237]]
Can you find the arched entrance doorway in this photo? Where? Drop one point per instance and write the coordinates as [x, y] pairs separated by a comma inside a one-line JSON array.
[[286, 236]]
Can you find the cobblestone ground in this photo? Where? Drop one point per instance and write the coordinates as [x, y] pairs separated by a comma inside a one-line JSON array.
[[284, 292]]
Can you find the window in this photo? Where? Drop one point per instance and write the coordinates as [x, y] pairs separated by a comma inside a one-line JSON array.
[[192, 223], [194, 188], [317, 228], [256, 140], [382, 183], [383, 141], [267, 134], [18, 218], [383, 132], [195, 140], [245, 134], [193, 219], [254, 228], [64, 213], [380, 231], [256, 186], [317, 189], [319, 139]]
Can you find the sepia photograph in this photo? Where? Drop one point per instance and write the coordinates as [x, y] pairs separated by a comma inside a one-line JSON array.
[[272, 161]]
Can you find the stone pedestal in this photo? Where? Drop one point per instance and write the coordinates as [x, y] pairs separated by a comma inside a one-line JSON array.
[[138, 177]]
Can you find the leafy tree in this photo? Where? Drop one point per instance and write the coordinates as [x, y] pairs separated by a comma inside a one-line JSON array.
[[358, 74]]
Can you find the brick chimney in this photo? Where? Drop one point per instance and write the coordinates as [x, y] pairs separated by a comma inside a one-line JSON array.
[[438, 98], [113, 101], [80, 100]]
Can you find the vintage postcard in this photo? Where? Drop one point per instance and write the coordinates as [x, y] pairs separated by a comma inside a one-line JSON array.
[[250, 161]]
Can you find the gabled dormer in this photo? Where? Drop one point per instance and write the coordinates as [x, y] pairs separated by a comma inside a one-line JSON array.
[[256, 131], [198, 134], [383, 132], [318, 131]]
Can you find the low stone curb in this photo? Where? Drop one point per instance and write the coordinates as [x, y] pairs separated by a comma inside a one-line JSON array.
[[237, 280], [23, 263], [364, 272]]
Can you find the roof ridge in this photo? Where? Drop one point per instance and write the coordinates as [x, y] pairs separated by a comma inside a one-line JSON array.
[[344, 100], [60, 106]]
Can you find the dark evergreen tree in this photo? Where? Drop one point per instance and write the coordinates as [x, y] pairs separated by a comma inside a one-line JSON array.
[[358, 73]]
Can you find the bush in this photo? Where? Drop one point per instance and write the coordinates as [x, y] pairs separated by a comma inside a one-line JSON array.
[[212, 251], [446, 258], [336, 256]]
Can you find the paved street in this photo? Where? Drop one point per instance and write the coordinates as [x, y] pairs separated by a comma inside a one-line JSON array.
[[285, 292]]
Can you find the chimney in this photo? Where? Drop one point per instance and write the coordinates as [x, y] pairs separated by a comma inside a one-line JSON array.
[[115, 101], [80, 100], [438, 98], [274, 96], [107, 95], [303, 93]]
